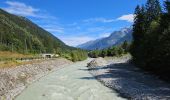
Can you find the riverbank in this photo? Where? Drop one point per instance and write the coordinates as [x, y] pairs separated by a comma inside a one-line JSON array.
[[130, 81], [13, 80]]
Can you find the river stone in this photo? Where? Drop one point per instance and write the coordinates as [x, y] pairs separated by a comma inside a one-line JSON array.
[[97, 62]]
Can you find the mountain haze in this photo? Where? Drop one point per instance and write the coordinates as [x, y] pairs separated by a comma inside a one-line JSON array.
[[116, 38]]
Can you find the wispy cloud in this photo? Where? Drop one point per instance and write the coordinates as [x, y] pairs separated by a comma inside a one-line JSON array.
[[103, 20], [53, 28], [76, 40], [106, 34], [23, 9], [128, 17], [40, 17]]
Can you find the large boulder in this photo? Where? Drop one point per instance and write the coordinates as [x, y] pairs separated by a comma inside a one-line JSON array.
[[97, 62]]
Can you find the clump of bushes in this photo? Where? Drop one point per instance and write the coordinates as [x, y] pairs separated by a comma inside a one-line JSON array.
[[110, 52], [75, 55]]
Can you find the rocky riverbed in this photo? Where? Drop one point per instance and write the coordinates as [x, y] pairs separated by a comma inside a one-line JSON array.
[[129, 80], [14, 80]]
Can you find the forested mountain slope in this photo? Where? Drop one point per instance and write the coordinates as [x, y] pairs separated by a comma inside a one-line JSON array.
[[20, 34]]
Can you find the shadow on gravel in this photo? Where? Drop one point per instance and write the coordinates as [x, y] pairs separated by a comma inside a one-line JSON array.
[[88, 78], [131, 82]]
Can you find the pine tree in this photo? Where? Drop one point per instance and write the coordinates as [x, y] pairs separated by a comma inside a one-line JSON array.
[[167, 6], [153, 10], [138, 33], [125, 46], [139, 23], [163, 53]]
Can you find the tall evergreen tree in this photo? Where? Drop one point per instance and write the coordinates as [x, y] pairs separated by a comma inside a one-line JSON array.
[[125, 46], [164, 39], [167, 6], [153, 10], [139, 23], [138, 33]]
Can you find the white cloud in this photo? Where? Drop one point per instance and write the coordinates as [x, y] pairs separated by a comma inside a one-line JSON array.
[[77, 40], [53, 28], [103, 20], [44, 20], [21, 9], [105, 34], [128, 17]]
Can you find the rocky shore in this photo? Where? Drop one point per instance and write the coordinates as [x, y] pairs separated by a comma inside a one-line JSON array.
[[130, 81], [14, 80]]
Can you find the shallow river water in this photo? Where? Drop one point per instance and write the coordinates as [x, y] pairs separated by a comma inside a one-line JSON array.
[[72, 82]]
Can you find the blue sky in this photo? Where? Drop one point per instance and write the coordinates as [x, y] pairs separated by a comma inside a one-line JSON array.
[[76, 21]]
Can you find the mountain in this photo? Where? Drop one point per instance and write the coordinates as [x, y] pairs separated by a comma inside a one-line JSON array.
[[115, 38], [20, 34]]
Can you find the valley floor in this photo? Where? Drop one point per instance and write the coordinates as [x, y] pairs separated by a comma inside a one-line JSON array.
[[74, 82], [130, 81]]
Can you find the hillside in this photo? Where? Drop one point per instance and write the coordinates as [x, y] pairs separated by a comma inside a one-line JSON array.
[[115, 38], [20, 34]]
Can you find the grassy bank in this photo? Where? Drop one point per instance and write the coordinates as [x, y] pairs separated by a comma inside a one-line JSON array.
[[6, 55], [9, 59], [14, 63]]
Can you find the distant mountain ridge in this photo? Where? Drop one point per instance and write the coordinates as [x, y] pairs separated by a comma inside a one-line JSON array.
[[116, 38]]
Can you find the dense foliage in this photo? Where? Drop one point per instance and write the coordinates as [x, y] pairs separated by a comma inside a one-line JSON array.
[[18, 34], [110, 52], [151, 34], [75, 55]]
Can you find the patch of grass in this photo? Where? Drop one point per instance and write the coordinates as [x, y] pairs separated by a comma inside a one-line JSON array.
[[6, 55], [11, 63], [14, 63]]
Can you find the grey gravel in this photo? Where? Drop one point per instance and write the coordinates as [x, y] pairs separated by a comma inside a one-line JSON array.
[[130, 81], [97, 63], [14, 80]]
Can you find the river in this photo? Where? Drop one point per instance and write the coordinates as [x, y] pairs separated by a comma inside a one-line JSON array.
[[72, 82]]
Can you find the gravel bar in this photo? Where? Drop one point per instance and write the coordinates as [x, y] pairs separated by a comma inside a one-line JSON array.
[[130, 81]]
